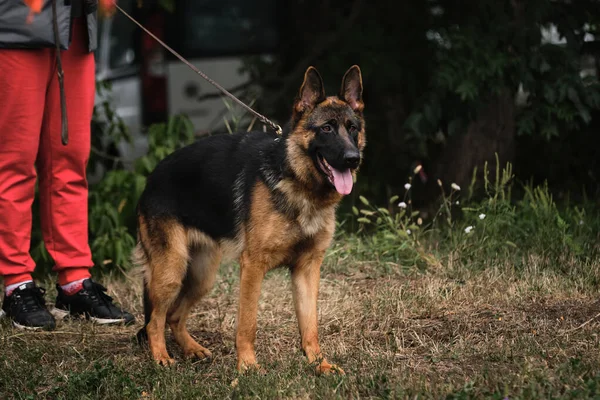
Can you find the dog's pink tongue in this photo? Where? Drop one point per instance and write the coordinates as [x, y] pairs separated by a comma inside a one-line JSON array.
[[342, 180]]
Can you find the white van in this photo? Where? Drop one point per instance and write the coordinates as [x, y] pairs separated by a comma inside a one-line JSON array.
[[148, 84]]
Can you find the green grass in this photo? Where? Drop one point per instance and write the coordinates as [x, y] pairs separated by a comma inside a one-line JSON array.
[[508, 310], [445, 333]]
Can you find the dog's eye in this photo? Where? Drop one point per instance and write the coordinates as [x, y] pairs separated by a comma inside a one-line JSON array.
[[353, 130], [326, 128]]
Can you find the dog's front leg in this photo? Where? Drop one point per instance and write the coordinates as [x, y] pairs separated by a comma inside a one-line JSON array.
[[252, 273], [305, 286]]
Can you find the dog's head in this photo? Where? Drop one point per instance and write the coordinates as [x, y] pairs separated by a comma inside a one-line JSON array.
[[327, 138]]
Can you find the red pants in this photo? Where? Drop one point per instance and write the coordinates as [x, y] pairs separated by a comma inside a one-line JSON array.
[[31, 147]]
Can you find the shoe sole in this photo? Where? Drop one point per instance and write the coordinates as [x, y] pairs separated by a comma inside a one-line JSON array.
[[62, 314], [30, 328], [25, 327]]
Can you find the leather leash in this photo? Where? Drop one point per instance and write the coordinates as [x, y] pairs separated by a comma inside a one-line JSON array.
[[64, 134]]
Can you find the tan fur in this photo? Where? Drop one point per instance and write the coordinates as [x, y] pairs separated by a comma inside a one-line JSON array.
[[362, 141], [197, 238], [305, 288], [181, 264], [300, 139], [171, 295], [269, 233], [296, 145], [313, 216], [231, 249], [357, 105], [266, 248], [139, 258], [199, 281], [304, 169], [167, 265], [331, 101]]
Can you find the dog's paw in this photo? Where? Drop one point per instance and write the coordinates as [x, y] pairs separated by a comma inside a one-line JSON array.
[[197, 351], [244, 367], [164, 361], [326, 368]]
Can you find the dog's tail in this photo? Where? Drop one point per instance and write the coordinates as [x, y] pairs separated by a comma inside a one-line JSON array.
[[141, 258], [142, 335]]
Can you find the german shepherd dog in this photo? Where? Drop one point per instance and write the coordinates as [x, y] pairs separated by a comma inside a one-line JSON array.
[[264, 199]]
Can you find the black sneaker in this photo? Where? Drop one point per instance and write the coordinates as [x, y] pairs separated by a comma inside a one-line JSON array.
[[92, 303], [27, 308]]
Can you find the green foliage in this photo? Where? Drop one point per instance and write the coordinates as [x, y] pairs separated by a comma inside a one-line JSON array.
[[478, 233], [433, 68], [113, 200], [534, 224], [236, 117], [395, 231], [497, 48], [107, 130], [163, 139], [539, 387], [102, 380]]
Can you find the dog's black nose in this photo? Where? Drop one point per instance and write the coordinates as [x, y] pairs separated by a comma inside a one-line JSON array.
[[352, 158]]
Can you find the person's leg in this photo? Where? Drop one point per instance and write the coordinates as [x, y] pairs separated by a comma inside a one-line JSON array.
[[64, 187], [23, 83], [62, 169], [22, 90]]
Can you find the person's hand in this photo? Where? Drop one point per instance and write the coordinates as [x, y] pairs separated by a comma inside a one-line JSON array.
[[35, 6], [106, 8]]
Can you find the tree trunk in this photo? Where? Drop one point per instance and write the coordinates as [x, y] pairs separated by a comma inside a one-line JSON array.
[[492, 132]]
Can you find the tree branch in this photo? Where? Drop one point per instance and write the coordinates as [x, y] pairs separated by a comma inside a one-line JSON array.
[[317, 50]]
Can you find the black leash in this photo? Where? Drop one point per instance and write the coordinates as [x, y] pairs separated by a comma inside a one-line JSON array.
[[64, 134], [261, 117]]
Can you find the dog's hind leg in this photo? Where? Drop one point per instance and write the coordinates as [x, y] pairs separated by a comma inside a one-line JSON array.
[[168, 266], [199, 280]]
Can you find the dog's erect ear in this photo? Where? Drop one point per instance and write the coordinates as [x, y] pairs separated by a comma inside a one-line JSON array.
[[311, 92], [352, 88]]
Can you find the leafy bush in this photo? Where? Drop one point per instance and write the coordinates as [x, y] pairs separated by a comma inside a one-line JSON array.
[[440, 73], [113, 200], [477, 233]]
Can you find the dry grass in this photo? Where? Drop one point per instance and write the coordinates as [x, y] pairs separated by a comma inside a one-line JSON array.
[[446, 332]]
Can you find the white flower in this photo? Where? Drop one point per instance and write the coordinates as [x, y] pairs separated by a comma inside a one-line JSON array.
[[455, 186], [581, 222], [407, 186], [468, 229], [481, 216], [457, 202], [408, 231], [402, 204], [419, 221], [418, 169]]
